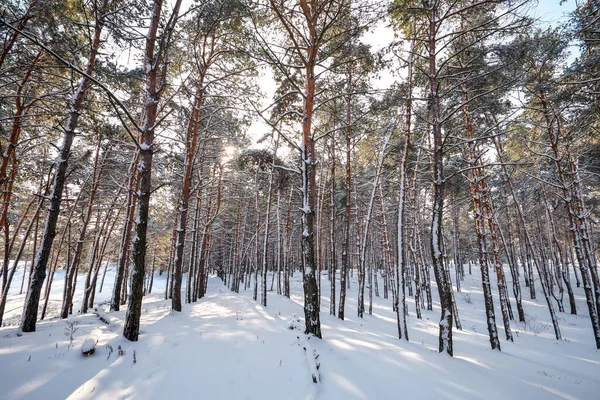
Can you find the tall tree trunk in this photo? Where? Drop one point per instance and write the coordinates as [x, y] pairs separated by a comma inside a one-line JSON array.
[[529, 246], [10, 242], [367, 223], [348, 212], [288, 266], [267, 227], [308, 168], [131, 200], [74, 267], [194, 255], [320, 229], [561, 259], [188, 167], [7, 154], [478, 195], [132, 319], [11, 273], [445, 334], [97, 253], [30, 309], [567, 176], [400, 229], [203, 252], [510, 246], [169, 280], [256, 238], [332, 249]]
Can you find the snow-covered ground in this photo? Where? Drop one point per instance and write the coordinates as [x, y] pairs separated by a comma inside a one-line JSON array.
[[227, 346]]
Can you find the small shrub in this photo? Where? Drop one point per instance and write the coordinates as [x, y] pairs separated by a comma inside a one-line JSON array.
[[70, 330], [109, 348], [532, 325], [466, 296]]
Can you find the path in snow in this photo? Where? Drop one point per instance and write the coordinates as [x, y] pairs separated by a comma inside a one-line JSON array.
[[226, 344]]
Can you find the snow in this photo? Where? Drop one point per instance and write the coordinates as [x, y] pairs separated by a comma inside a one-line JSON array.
[[228, 346], [434, 238], [89, 344]]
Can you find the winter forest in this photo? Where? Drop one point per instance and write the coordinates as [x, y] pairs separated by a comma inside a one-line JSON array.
[[299, 199]]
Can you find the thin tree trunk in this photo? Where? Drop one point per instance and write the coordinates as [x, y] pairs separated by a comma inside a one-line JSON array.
[[400, 229], [332, 250], [11, 273], [132, 188], [188, 167], [510, 247], [267, 227], [478, 194], [348, 212], [567, 176], [74, 267]]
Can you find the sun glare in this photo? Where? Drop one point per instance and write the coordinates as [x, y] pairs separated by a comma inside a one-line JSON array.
[[228, 153]]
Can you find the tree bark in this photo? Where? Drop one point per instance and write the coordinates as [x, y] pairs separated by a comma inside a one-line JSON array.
[[74, 267], [153, 90], [30, 309], [445, 333], [191, 145], [131, 200]]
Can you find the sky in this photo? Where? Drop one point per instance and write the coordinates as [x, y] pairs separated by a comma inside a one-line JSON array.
[[553, 12]]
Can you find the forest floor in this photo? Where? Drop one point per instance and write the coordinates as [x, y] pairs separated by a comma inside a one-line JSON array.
[[227, 346]]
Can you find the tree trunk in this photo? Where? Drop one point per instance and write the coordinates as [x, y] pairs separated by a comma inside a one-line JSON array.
[[11, 273], [332, 250], [132, 319], [122, 262], [30, 309], [445, 334], [400, 229], [188, 167], [348, 182], [73, 268], [267, 228]]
